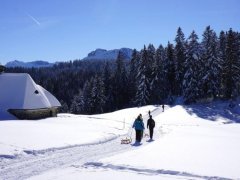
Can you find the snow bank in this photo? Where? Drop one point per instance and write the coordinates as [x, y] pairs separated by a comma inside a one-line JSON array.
[[127, 115]]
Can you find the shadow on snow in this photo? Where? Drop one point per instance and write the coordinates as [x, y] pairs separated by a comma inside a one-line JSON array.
[[213, 111]]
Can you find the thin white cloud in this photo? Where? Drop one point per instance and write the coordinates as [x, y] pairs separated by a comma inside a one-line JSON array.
[[33, 19]]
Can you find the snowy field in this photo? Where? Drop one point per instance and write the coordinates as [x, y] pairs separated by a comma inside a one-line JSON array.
[[190, 142], [19, 136]]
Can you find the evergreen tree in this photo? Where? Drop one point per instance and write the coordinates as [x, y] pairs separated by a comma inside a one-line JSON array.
[[171, 70], [191, 91], [120, 92], [143, 84], [212, 64], [222, 56], [107, 78], [231, 70], [87, 97], [151, 51], [77, 105], [180, 53], [98, 98], [237, 80], [158, 83], [64, 107], [134, 63]]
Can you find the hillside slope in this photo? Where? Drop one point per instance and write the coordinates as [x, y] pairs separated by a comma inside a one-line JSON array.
[[187, 145]]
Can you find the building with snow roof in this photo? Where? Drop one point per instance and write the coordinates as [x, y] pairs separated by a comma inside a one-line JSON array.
[[23, 98]]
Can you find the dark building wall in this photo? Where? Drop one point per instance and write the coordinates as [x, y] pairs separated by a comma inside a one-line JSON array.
[[34, 113], [2, 69]]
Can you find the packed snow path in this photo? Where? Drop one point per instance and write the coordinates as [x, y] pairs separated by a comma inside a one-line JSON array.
[[36, 162]]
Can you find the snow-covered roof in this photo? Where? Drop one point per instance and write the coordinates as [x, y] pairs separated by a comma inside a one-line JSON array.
[[19, 91]]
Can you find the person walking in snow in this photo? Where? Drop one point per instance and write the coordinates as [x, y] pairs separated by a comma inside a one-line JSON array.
[[151, 125], [139, 127], [162, 107]]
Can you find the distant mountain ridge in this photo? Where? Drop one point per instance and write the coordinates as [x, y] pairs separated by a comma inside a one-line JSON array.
[[35, 64], [98, 54], [103, 54]]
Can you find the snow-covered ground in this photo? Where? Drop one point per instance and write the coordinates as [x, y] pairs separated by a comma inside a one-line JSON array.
[[19, 136], [191, 142]]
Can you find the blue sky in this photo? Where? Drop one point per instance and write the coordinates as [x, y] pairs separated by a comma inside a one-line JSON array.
[[62, 30]]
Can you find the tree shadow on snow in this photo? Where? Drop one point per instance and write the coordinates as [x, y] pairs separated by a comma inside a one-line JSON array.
[[214, 111], [176, 174]]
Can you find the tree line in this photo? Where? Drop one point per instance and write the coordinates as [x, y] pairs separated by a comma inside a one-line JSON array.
[[194, 70]]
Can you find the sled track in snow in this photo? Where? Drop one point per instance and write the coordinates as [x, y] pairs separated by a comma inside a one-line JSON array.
[[33, 164], [36, 162]]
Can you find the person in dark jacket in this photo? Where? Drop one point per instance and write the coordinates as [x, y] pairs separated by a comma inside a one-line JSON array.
[[139, 127], [151, 125]]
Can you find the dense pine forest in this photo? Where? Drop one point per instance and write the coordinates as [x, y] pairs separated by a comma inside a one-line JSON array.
[[196, 71]]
